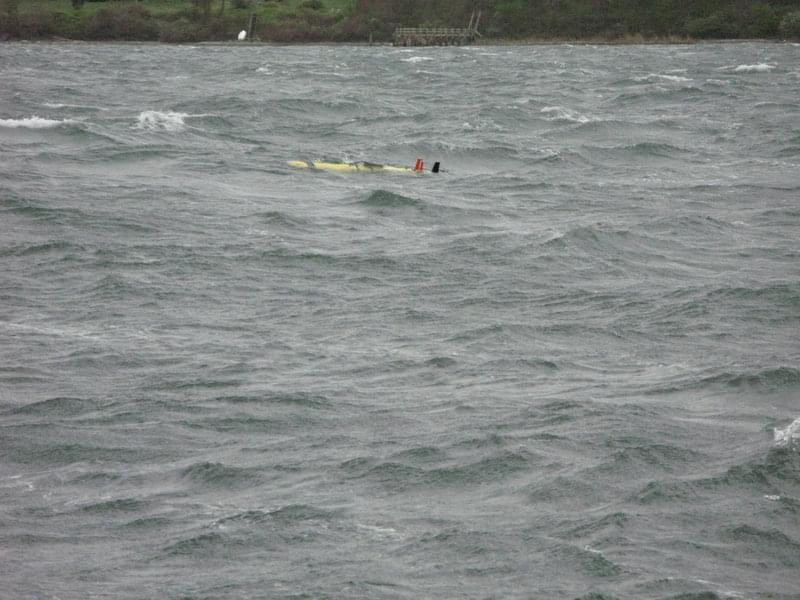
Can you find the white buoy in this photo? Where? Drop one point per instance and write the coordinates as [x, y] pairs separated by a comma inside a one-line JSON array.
[[242, 35]]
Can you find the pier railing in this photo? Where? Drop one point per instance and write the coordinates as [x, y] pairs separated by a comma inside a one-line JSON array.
[[433, 36]]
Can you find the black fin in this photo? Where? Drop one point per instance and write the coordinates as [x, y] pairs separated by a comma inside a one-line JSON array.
[[435, 168]]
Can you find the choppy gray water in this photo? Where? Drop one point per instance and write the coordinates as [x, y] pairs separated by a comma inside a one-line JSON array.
[[567, 367]]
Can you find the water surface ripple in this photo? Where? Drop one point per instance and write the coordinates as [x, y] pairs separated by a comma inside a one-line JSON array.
[[567, 367]]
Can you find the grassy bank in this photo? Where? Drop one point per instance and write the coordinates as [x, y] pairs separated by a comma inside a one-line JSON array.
[[618, 21], [182, 20]]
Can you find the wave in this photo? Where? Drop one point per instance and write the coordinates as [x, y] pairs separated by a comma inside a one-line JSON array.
[[44, 213], [400, 476], [560, 113], [28, 250], [154, 120], [289, 514], [200, 544], [302, 399], [118, 505], [768, 544], [766, 477], [66, 454], [758, 68], [767, 380], [63, 105], [350, 262], [275, 218], [592, 526], [117, 287], [649, 149], [382, 199], [650, 456], [652, 77], [61, 406], [217, 474], [587, 559], [699, 224], [780, 294], [778, 378], [789, 434], [421, 454], [687, 91], [147, 523], [600, 241], [34, 123]]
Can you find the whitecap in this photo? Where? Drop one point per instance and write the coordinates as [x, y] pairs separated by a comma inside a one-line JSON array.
[[676, 78], [62, 105], [384, 532], [759, 68], [657, 76], [789, 434], [559, 113], [416, 59], [161, 121], [33, 123]]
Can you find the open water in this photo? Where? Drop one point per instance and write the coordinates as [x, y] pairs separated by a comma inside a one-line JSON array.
[[567, 367]]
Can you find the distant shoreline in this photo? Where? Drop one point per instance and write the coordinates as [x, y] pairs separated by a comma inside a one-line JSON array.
[[348, 21], [486, 43], [340, 21]]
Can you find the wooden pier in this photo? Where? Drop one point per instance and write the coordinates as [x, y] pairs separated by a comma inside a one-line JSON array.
[[432, 36], [437, 36]]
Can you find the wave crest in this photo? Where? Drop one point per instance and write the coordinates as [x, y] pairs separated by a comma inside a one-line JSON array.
[[217, 474], [559, 113], [653, 77], [34, 123], [154, 120], [383, 199], [789, 434], [759, 68]]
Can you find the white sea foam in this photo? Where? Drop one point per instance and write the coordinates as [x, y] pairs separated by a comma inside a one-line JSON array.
[[676, 78], [559, 113], [161, 121], [416, 59], [789, 434], [657, 76], [32, 123], [759, 68], [62, 105], [384, 532]]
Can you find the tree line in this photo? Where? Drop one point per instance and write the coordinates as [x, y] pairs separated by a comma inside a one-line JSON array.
[[609, 19], [360, 20]]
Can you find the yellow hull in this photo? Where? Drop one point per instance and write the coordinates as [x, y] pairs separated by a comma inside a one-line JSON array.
[[357, 167]]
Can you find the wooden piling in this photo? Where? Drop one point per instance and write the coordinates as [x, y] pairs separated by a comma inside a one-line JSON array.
[[250, 26]]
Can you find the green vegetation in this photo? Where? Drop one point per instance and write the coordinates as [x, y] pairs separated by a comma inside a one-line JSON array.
[[357, 20], [790, 25], [180, 20]]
